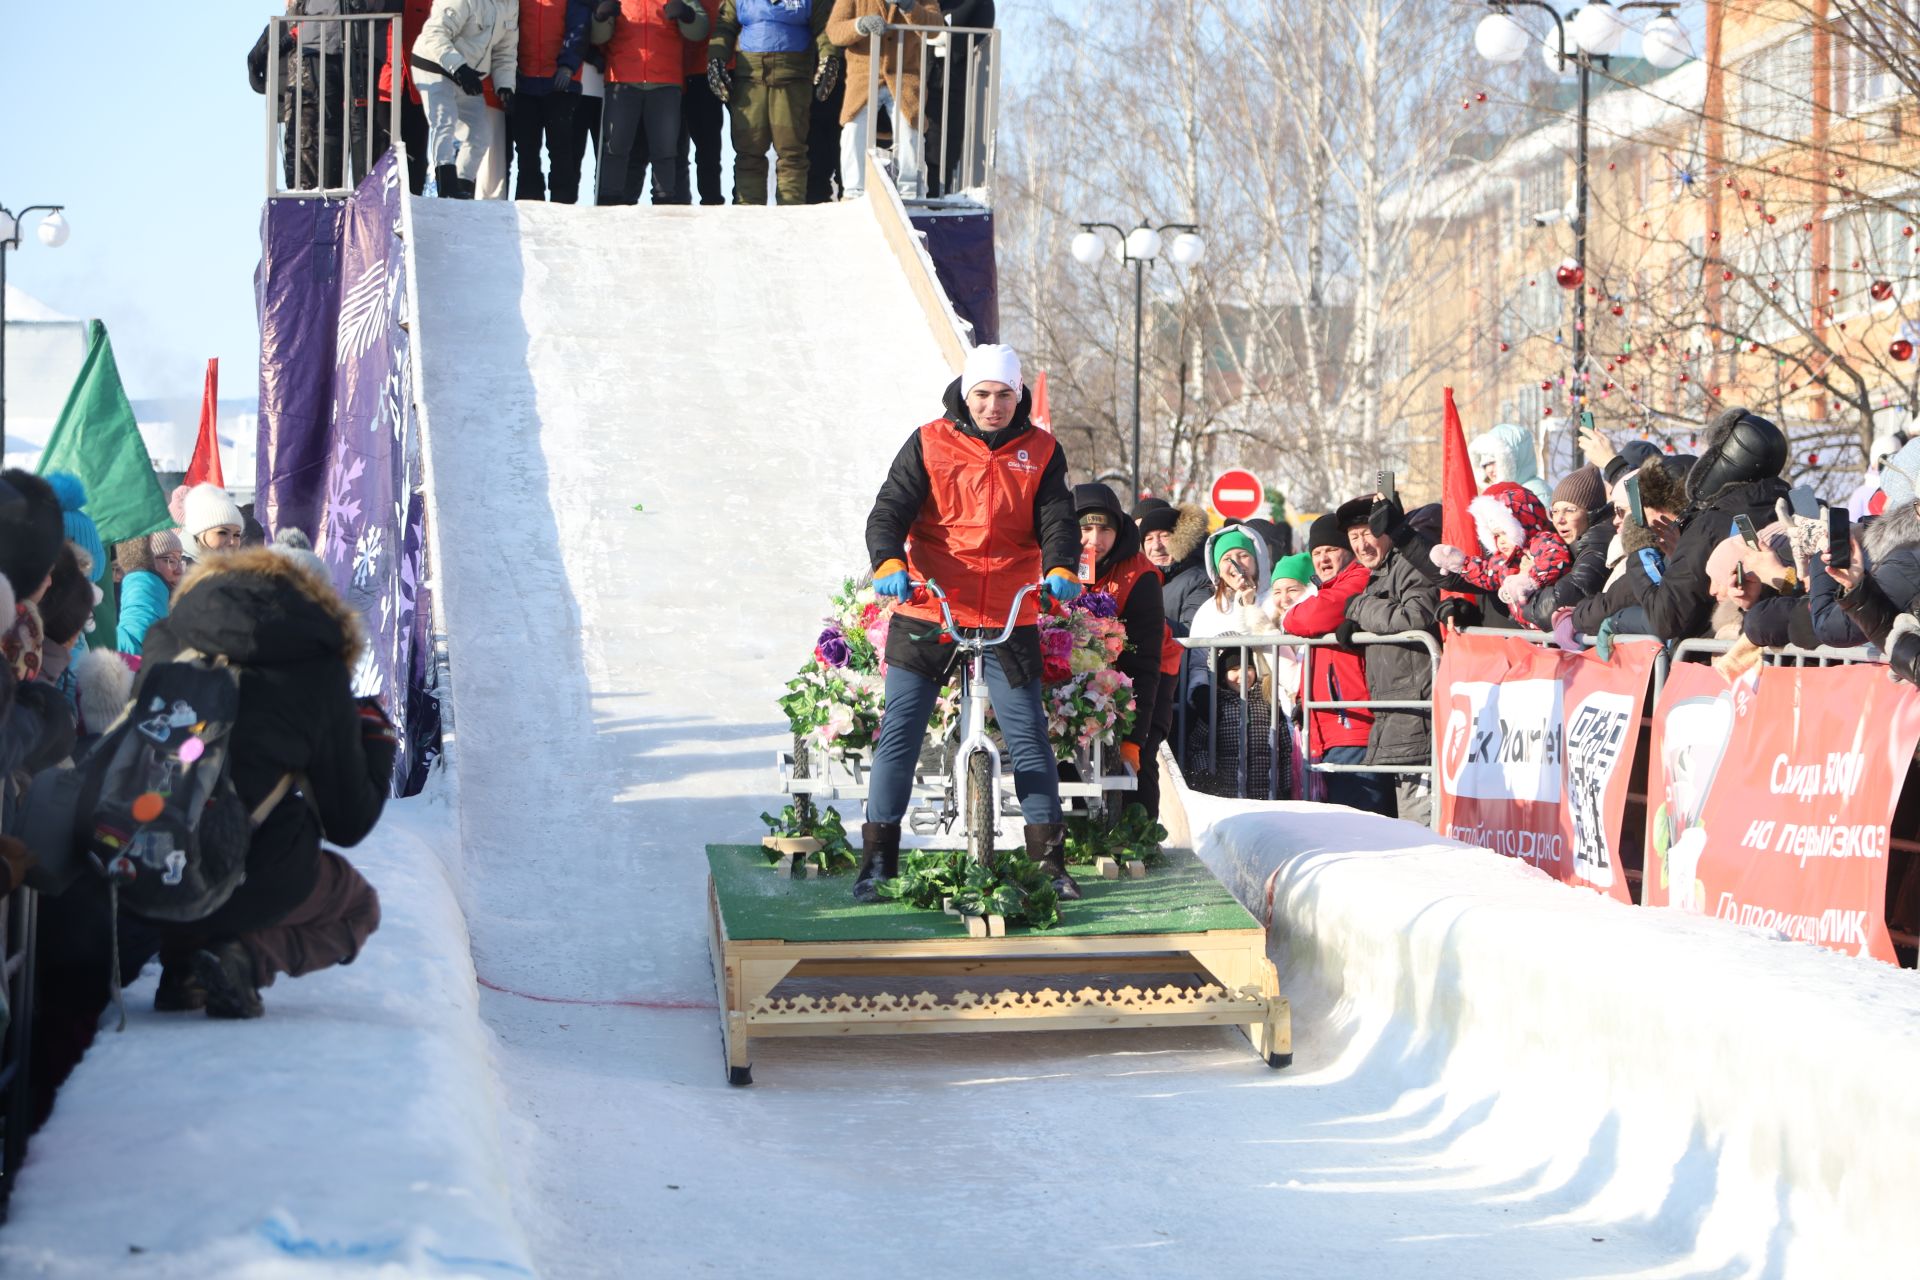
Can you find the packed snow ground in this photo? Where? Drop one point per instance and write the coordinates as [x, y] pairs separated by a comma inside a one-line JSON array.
[[744, 376]]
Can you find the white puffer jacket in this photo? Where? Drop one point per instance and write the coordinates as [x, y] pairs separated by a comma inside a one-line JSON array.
[[482, 34]]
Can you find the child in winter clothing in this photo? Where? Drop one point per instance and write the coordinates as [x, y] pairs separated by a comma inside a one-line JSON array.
[[1522, 553], [151, 567]]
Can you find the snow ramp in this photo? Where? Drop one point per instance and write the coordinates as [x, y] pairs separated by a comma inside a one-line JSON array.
[[653, 438]]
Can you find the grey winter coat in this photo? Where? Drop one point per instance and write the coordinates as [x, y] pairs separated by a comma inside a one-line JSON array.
[[1398, 597]]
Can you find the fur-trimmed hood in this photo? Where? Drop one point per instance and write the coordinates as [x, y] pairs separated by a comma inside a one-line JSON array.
[[1888, 532], [1509, 509], [1660, 488], [1188, 536], [258, 607]]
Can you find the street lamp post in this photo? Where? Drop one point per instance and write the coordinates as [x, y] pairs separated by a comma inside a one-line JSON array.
[[1140, 246], [1598, 31], [53, 234]]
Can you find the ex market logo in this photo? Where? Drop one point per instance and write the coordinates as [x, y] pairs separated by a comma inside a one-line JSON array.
[[1504, 741]]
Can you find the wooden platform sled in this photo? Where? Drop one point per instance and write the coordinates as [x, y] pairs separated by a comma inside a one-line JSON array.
[[1174, 950]]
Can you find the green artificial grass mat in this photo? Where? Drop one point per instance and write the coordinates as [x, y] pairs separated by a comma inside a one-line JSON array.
[[1179, 895]]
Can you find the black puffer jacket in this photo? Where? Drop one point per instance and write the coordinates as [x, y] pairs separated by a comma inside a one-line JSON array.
[[1398, 597], [296, 645], [1677, 600], [1587, 576]]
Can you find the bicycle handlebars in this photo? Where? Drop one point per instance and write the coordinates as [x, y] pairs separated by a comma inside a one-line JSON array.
[[922, 591]]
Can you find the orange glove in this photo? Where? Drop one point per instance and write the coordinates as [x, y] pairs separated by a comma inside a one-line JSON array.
[[1130, 752]]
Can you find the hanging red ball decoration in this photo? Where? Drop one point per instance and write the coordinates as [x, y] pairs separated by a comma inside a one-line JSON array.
[[1771, 219], [1880, 289], [1569, 274], [1726, 275], [1744, 192], [1900, 349], [1503, 346], [1479, 97], [1618, 310], [1813, 459], [1546, 385], [1907, 231]]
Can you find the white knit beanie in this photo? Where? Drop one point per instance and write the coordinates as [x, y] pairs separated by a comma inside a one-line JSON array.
[[991, 363], [208, 506]]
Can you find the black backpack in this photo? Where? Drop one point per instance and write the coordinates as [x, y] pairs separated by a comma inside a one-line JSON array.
[[158, 813]]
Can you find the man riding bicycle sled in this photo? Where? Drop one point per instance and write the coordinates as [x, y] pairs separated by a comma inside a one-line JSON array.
[[978, 502]]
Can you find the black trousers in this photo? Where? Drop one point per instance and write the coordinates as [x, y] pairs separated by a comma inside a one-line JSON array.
[[823, 147], [701, 119], [1159, 725], [413, 137], [548, 116], [643, 131], [586, 133]]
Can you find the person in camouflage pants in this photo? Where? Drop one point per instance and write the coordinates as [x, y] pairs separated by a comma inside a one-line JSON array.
[[782, 60]]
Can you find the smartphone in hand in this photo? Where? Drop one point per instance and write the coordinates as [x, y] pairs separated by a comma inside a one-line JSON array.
[[1804, 503], [1839, 538], [1383, 485], [1632, 487], [1743, 525]]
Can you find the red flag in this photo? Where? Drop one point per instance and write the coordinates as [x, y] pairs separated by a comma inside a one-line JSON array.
[[1457, 487], [1041, 414], [205, 467]]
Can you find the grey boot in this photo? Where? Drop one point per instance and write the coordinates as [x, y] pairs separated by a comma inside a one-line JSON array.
[[880, 859], [1047, 846]]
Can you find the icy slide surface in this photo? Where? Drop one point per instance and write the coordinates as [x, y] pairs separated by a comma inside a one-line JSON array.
[[745, 376]]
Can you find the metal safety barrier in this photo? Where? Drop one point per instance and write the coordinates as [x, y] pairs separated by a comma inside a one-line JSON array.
[[964, 64], [326, 125], [1307, 705], [19, 919]]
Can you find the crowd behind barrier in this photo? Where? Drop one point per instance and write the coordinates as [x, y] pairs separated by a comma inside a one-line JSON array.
[[491, 98]]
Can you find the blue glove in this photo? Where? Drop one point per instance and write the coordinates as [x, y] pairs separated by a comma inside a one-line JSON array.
[[895, 584], [1062, 587]]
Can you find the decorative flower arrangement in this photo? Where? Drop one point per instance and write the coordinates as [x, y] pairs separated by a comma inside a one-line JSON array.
[[836, 698]]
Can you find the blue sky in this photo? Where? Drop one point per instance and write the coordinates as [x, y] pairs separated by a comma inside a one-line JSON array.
[[139, 119]]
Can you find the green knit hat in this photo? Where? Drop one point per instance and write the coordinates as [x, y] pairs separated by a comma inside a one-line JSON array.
[[1230, 540], [1297, 568]]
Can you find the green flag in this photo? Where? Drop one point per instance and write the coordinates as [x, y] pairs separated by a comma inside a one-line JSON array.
[[98, 440]]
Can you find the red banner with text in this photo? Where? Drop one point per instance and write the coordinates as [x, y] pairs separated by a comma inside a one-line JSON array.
[[1536, 747], [1770, 801]]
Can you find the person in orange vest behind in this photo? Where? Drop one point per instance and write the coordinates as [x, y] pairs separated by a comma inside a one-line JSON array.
[[976, 500], [1122, 572]]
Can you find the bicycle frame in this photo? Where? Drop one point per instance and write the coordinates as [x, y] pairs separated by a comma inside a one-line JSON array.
[[973, 713]]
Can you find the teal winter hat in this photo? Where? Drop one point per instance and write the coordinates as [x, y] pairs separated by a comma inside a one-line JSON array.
[[1230, 540], [81, 531]]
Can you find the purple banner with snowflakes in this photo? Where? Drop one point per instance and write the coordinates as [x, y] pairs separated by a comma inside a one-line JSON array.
[[351, 477]]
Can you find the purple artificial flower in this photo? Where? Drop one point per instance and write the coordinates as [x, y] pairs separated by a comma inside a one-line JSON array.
[[1056, 643], [831, 647], [1097, 603]]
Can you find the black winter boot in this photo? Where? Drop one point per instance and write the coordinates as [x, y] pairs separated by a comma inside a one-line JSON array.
[[1047, 846], [451, 185], [880, 859], [225, 969], [180, 989]]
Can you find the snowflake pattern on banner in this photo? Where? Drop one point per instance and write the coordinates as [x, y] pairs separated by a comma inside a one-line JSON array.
[[371, 523]]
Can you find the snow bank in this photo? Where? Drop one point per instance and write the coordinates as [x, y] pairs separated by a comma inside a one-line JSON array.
[[1747, 1096], [354, 1129]]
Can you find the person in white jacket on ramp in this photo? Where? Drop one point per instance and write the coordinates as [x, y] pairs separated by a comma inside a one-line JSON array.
[[461, 42]]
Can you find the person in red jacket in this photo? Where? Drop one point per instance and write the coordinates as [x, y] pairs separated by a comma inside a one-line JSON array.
[[553, 40], [413, 117], [976, 500], [646, 59], [1337, 673]]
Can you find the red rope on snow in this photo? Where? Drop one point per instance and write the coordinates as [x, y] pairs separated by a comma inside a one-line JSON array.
[[598, 1004]]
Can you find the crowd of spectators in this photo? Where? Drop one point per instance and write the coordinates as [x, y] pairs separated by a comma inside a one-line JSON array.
[[86, 631], [1636, 541], [500, 96]]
